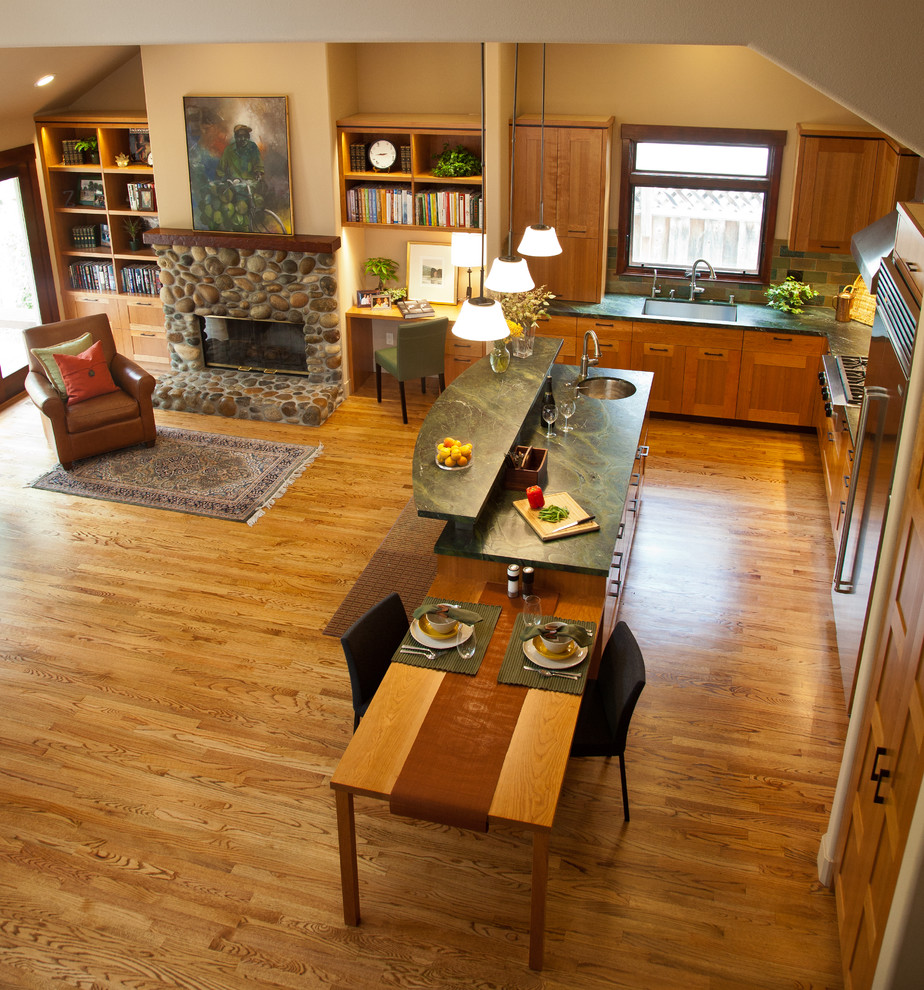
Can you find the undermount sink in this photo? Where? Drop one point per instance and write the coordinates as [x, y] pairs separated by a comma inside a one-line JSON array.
[[602, 387], [686, 309]]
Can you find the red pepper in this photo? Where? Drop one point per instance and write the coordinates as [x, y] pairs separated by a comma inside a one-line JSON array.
[[535, 496]]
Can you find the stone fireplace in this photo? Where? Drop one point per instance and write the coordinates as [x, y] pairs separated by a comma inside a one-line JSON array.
[[264, 281]]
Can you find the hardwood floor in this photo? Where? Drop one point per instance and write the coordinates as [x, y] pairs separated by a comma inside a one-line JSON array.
[[172, 715]]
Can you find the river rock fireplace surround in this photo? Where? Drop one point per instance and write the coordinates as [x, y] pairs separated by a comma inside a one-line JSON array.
[[260, 278]]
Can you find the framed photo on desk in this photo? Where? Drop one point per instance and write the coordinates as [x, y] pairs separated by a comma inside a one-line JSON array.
[[430, 273]]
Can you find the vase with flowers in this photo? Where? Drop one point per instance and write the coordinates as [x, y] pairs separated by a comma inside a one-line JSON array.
[[524, 310]]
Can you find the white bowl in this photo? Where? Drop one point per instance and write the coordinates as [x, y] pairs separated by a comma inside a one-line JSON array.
[[555, 646]]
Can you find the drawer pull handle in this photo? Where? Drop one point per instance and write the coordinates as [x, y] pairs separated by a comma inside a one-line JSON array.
[[784, 340], [880, 752], [660, 350], [877, 797], [714, 353]]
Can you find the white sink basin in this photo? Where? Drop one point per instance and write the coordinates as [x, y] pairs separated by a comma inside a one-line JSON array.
[[684, 309]]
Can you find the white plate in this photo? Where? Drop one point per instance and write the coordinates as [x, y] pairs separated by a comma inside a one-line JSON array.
[[441, 642], [540, 660]]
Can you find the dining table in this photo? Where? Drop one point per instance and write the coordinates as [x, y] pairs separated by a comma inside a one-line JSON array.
[[471, 744]]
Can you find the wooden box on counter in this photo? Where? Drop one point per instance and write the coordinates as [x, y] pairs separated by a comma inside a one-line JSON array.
[[533, 471]]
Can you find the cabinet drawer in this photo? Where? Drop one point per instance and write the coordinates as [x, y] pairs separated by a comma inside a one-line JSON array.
[[147, 314], [783, 343], [149, 343]]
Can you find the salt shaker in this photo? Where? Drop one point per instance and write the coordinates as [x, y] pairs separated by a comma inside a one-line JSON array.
[[513, 580]]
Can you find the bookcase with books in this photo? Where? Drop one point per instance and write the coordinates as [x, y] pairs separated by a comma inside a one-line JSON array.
[[97, 172], [386, 171]]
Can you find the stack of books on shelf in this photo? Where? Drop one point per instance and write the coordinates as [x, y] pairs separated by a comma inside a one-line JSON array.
[[405, 158], [380, 204], [97, 276], [141, 280], [357, 158], [84, 236], [69, 153], [141, 196], [448, 208]]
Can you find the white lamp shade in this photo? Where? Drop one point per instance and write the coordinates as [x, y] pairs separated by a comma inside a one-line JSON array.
[[539, 241], [480, 319], [466, 250], [509, 275]]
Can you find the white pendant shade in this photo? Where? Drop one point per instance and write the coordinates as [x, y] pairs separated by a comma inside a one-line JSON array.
[[480, 319], [539, 241], [466, 250], [509, 275]]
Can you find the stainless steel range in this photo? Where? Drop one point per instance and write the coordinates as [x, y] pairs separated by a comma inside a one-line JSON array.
[[843, 380]]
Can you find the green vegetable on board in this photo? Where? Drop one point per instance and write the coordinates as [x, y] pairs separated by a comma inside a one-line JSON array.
[[553, 513]]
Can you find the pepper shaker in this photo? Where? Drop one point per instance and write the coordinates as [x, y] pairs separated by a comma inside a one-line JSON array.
[[513, 580], [528, 575]]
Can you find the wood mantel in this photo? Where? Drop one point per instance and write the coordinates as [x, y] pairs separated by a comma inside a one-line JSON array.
[[308, 243]]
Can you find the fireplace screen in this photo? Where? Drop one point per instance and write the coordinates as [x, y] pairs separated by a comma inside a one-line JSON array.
[[254, 345]]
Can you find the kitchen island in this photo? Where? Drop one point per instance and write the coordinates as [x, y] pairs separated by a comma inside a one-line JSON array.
[[599, 464]]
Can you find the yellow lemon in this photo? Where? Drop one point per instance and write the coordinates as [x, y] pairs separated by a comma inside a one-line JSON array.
[[450, 462], [466, 449]]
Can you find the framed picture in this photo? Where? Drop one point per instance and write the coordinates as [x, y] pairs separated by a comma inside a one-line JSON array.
[[91, 193], [430, 274], [139, 145], [237, 150], [364, 297], [381, 301]]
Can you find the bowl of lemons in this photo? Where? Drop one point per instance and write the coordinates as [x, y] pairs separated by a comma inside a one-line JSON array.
[[453, 455]]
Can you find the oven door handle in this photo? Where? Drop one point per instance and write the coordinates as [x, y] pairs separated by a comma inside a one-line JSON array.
[[842, 585]]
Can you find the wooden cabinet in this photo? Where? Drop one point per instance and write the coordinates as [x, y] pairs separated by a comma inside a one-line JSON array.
[[576, 181], [408, 195], [888, 771], [710, 373], [144, 334], [660, 349], [845, 179], [909, 246], [461, 355], [96, 270], [779, 378], [565, 328], [615, 339], [837, 454]]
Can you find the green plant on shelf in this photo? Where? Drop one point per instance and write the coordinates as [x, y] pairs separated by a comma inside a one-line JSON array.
[[384, 269], [90, 146], [456, 162]]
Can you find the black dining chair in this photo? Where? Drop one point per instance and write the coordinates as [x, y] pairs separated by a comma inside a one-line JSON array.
[[420, 351], [369, 645], [608, 703]]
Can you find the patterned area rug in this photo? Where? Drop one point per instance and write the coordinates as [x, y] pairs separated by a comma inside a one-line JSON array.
[[204, 474], [404, 562]]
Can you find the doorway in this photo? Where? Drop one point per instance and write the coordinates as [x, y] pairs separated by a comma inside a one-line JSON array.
[[26, 288]]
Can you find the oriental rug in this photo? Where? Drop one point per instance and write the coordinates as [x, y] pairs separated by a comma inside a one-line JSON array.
[[404, 562], [203, 474]]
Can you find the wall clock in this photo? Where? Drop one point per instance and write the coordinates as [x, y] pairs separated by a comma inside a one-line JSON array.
[[382, 155]]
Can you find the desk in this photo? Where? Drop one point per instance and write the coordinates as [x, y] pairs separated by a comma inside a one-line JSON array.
[[530, 782], [359, 336]]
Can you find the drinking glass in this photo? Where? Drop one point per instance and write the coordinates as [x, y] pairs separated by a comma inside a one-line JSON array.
[[467, 648], [532, 610], [550, 414], [566, 407]]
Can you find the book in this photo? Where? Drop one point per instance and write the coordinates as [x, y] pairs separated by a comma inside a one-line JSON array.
[[415, 309]]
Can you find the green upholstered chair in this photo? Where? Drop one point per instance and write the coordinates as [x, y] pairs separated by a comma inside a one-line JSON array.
[[420, 352]]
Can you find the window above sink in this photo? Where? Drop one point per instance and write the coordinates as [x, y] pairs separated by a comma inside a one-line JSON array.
[[695, 192]]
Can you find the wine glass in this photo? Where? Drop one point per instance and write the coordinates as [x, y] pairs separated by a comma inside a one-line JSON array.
[[468, 646], [550, 414], [566, 407], [532, 611]]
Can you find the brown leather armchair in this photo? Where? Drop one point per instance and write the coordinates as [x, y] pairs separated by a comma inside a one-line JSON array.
[[105, 422]]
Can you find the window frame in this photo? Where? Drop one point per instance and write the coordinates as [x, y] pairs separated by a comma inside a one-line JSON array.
[[633, 134]]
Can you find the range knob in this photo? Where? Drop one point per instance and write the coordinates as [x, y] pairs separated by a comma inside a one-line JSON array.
[[821, 377], [826, 393], [829, 409]]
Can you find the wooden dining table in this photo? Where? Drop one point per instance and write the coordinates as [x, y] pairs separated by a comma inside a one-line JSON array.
[[532, 759]]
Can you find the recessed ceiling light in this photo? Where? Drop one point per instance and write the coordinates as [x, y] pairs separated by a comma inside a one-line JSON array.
[[45, 80]]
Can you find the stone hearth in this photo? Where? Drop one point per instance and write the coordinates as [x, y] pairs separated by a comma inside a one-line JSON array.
[[256, 277]]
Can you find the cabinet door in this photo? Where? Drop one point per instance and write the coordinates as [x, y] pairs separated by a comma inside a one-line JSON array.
[[581, 171], [460, 356], [779, 378], [144, 332], [666, 362], [909, 246], [563, 327], [710, 381], [615, 342], [834, 191]]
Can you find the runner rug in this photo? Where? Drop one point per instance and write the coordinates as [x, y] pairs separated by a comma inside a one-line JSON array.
[[203, 474]]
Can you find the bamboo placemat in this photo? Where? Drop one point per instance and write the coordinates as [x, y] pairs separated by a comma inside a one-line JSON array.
[[512, 671], [448, 659]]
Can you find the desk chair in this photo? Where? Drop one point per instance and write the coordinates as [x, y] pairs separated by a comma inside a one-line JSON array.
[[608, 703], [120, 418], [421, 351], [369, 645]]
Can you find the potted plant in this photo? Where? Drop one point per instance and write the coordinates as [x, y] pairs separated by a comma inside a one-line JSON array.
[[134, 227], [523, 311], [384, 269], [90, 147], [790, 295], [456, 162]]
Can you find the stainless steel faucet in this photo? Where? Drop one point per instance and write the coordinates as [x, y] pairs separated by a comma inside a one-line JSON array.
[[695, 289], [655, 288], [585, 360]]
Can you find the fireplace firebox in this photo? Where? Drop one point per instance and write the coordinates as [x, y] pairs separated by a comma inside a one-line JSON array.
[[245, 345]]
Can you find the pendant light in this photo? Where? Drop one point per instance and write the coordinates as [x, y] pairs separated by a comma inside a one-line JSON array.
[[540, 241], [466, 251], [510, 273], [481, 318]]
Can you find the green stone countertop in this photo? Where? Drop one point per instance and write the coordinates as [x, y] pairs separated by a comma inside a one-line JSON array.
[[594, 464], [485, 410]]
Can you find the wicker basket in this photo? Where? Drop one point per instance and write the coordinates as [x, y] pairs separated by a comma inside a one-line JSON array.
[[862, 304]]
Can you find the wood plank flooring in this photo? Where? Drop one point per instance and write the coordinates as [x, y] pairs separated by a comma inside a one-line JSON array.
[[171, 715]]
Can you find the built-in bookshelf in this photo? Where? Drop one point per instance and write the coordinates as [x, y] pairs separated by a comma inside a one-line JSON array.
[[406, 193]]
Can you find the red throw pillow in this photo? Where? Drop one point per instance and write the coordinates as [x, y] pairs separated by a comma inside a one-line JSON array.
[[87, 374]]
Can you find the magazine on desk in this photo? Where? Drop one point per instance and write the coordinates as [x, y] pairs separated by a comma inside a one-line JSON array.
[[415, 309]]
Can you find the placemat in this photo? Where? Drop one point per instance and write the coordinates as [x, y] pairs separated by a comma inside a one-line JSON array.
[[512, 671], [449, 659]]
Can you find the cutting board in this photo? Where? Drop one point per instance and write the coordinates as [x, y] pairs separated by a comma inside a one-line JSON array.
[[545, 529]]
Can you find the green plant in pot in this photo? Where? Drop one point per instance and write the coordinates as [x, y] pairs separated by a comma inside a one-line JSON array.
[[456, 162], [134, 227], [90, 147], [385, 270], [790, 295]]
